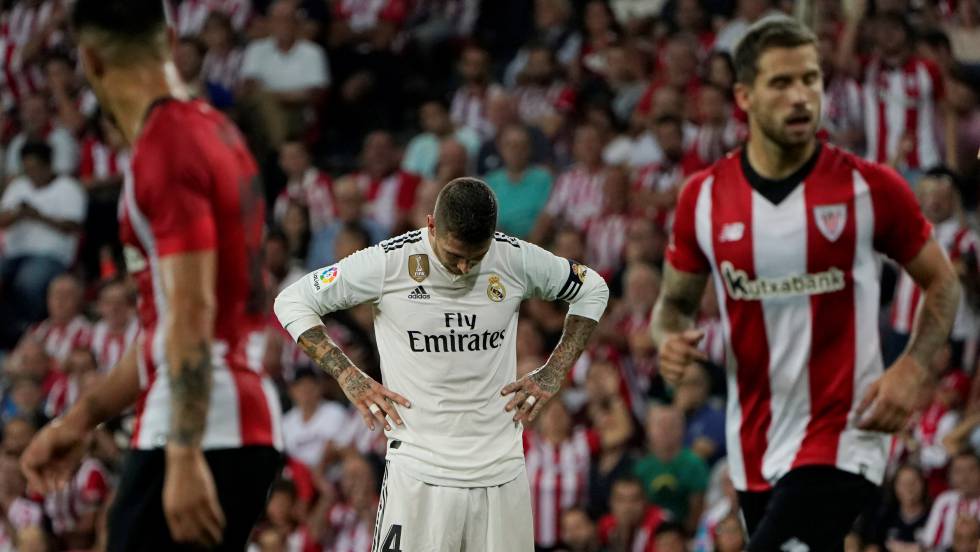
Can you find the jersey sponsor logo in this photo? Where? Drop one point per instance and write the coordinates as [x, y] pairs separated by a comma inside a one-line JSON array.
[[732, 232], [495, 289], [831, 220], [741, 287], [418, 267], [325, 278], [454, 342], [419, 293]]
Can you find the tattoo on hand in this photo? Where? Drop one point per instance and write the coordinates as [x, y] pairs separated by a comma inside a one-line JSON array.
[[190, 390], [577, 331]]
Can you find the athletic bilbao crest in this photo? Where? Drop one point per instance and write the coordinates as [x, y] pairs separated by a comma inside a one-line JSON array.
[[831, 220]]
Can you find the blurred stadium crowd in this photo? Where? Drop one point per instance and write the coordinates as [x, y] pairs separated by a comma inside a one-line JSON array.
[[585, 116]]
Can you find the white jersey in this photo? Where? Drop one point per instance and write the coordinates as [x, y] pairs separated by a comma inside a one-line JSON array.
[[447, 343]]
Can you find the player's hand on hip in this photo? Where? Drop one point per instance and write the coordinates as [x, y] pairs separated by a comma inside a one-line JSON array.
[[677, 352], [891, 399], [190, 501], [53, 455], [532, 391], [374, 401]]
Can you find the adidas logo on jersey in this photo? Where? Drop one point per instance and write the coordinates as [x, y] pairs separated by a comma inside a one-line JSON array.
[[419, 293]]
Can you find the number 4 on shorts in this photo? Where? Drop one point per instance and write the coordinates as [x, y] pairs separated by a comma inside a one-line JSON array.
[[393, 542]]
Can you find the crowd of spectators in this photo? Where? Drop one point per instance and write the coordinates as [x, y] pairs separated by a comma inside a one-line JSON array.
[[585, 117]]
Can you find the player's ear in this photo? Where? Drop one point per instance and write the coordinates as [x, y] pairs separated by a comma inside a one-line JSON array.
[[430, 221], [742, 91], [91, 61]]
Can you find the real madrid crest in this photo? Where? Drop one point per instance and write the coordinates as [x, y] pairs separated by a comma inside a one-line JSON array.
[[495, 289], [418, 267]]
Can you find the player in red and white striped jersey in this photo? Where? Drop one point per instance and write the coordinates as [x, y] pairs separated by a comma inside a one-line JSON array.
[[791, 229], [117, 329], [305, 185], [942, 206], [65, 328], [206, 438], [557, 457], [962, 500]]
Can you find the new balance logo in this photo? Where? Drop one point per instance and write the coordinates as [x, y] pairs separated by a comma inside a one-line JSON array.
[[732, 232], [419, 293]]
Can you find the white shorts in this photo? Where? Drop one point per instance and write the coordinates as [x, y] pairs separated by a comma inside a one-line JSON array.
[[417, 517]]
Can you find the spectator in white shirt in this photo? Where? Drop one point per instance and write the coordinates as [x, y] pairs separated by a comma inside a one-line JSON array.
[[312, 422], [37, 125], [41, 215]]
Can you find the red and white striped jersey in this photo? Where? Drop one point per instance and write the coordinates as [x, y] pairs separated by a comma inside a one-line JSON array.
[[364, 15], [938, 532], [352, 533], [469, 109], [315, 191], [559, 478], [193, 188], [188, 16], [389, 199], [60, 339], [18, 26], [100, 162], [64, 392], [576, 198], [713, 342], [86, 493], [24, 512], [605, 243], [108, 346], [798, 290], [711, 143], [843, 106], [960, 242], [538, 102], [643, 538], [900, 101]]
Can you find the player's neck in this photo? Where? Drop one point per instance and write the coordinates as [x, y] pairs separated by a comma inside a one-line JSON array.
[[132, 91], [774, 161]]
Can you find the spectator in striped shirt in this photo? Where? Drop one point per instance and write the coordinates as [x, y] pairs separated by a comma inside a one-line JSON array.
[[543, 97], [963, 499], [65, 328], [631, 522], [305, 184], [344, 519], [117, 326], [68, 389], [469, 106], [75, 103]]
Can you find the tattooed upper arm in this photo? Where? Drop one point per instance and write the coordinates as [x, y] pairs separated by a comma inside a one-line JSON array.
[[680, 298]]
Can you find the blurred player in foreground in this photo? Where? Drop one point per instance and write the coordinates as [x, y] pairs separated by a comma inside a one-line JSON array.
[[790, 228], [446, 300], [204, 448]]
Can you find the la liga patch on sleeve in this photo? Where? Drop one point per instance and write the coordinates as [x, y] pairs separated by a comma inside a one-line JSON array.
[[325, 278]]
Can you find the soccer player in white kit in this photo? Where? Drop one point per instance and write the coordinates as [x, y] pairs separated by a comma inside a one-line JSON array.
[[446, 301]]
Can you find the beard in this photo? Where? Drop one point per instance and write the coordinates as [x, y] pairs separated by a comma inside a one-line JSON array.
[[779, 133]]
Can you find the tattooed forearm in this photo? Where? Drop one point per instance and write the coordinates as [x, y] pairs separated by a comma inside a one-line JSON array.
[[573, 339], [935, 320], [190, 395], [324, 352], [680, 298]]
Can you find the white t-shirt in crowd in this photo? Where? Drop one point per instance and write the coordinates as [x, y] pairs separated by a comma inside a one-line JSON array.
[[305, 439], [62, 199], [304, 66]]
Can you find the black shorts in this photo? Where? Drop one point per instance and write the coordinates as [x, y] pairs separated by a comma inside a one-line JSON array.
[[242, 478], [812, 505]]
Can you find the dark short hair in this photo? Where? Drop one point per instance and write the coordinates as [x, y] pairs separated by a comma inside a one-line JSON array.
[[770, 32], [670, 527], [131, 19], [628, 480], [38, 150], [467, 209], [669, 119]]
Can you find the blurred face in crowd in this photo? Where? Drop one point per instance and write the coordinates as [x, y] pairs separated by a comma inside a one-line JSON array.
[[891, 38], [555, 423], [17, 435], [966, 534], [60, 73], [597, 18], [602, 380], [279, 510], [188, 58], [938, 197], [681, 60], [644, 241], [667, 101], [670, 136], [217, 33], [271, 540], [357, 481], [692, 391], [540, 68], [276, 256], [587, 147], [618, 64], [378, 156], [474, 65], [282, 23], [550, 13], [784, 102], [515, 148], [348, 242], [114, 305], [616, 190], [670, 541], [453, 162], [435, 119], [690, 15], [296, 221], [642, 286], [26, 395], [37, 170], [305, 392], [294, 160], [713, 106], [502, 110], [568, 244], [728, 535], [578, 531], [665, 429], [964, 475], [34, 115], [348, 198], [720, 72], [64, 299], [909, 487], [80, 361], [627, 503], [32, 360], [752, 9]]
